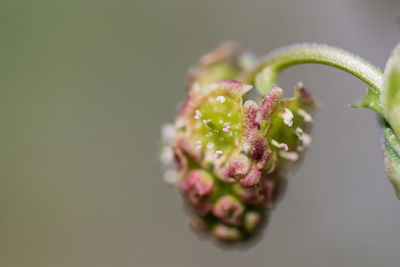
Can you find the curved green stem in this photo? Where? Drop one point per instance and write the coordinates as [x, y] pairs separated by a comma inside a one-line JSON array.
[[273, 63]]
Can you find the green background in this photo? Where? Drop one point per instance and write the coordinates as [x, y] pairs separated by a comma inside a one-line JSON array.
[[84, 88]]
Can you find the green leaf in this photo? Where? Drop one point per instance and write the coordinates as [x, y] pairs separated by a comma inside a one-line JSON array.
[[391, 139], [392, 158], [370, 101], [390, 97]]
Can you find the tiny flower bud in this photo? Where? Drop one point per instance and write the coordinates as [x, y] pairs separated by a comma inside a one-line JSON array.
[[252, 178], [197, 188], [269, 105], [226, 233], [197, 223], [229, 210], [251, 220], [237, 167]]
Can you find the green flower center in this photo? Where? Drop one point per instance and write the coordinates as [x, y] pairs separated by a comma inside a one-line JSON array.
[[217, 124]]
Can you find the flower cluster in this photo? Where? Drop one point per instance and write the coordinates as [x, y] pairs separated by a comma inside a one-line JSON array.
[[230, 156]]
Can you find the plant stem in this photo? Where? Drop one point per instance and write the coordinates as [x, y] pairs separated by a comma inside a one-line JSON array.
[[270, 65]]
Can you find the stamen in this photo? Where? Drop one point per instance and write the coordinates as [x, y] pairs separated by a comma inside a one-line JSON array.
[[307, 117], [282, 146], [220, 99], [227, 127], [292, 156], [299, 131], [198, 115], [288, 117], [305, 138], [198, 144], [218, 154]]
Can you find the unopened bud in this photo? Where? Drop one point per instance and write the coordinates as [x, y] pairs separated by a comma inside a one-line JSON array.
[[231, 154], [228, 210], [197, 188], [226, 233], [251, 220]]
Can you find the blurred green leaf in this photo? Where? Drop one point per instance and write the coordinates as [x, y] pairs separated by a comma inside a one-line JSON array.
[[370, 101], [392, 157], [390, 97]]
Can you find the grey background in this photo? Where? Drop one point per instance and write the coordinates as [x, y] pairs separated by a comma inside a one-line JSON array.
[[85, 87]]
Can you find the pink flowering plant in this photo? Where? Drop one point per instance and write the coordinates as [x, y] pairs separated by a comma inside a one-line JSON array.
[[229, 153]]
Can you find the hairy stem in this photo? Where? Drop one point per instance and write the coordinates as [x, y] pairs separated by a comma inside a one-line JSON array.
[[270, 65]]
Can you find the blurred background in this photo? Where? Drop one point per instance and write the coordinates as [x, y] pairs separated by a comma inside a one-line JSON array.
[[85, 87]]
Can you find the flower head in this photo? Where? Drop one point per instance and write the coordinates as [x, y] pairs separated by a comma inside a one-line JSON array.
[[231, 154]]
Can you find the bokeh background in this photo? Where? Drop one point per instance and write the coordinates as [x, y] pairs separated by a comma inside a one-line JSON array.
[[84, 88]]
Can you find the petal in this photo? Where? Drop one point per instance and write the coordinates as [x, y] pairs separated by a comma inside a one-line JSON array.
[[231, 87], [225, 51], [186, 109]]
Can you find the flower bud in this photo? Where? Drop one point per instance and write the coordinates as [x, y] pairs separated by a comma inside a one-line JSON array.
[[197, 187], [226, 233], [231, 154], [228, 210], [227, 61], [251, 220], [198, 223]]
